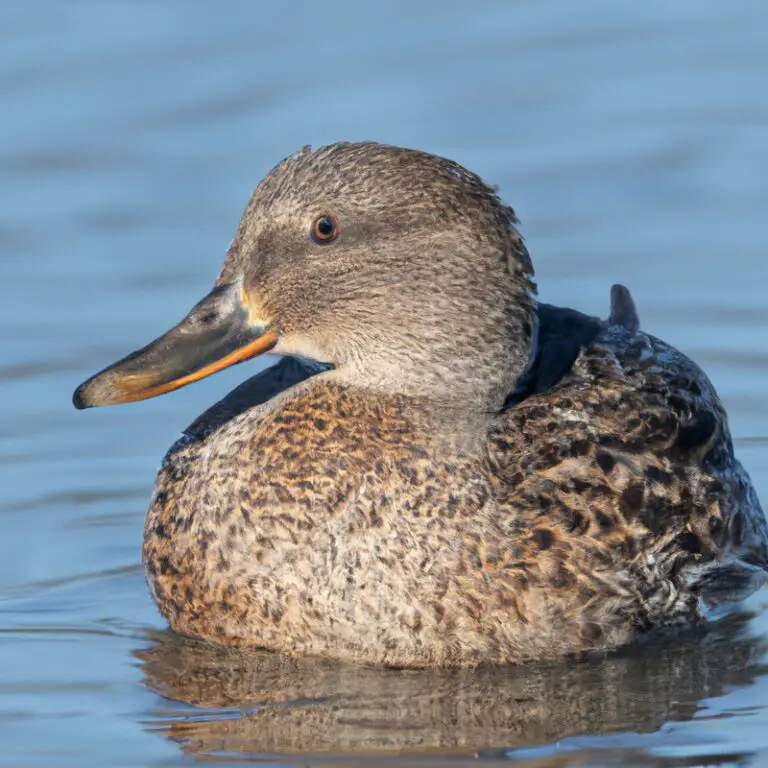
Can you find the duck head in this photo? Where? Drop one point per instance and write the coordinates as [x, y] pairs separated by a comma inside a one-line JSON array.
[[401, 268]]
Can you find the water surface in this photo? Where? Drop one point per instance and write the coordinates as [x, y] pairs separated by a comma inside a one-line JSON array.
[[631, 139]]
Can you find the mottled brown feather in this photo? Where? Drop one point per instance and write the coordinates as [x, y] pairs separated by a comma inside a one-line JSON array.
[[403, 508], [333, 524]]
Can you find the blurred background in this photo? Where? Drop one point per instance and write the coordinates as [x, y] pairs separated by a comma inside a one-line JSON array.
[[632, 140]]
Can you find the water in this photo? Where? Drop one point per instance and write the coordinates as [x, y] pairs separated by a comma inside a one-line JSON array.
[[632, 140]]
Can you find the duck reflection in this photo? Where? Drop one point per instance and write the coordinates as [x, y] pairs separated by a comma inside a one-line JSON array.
[[266, 703]]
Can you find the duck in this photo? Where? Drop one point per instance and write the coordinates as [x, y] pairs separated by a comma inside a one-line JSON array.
[[441, 470]]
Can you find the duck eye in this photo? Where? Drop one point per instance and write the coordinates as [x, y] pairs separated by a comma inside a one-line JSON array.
[[325, 229]]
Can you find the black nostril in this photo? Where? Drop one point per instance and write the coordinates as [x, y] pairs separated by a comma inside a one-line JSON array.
[[209, 318]]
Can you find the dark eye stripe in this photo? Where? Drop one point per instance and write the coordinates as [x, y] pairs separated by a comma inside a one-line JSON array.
[[325, 229]]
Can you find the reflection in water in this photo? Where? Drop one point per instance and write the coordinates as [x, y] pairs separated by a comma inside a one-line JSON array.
[[275, 704]]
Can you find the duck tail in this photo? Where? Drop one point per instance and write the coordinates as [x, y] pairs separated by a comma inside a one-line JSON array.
[[623, 309]]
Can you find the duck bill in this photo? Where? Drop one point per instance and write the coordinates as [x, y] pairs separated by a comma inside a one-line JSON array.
[[220, 331]]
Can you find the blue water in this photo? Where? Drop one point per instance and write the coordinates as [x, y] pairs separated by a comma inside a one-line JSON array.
[[632, 139]]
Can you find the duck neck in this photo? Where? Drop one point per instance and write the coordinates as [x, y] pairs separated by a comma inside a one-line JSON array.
[[467, 372]]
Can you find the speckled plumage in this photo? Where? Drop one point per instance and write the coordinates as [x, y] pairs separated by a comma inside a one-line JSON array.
[[480, 478]]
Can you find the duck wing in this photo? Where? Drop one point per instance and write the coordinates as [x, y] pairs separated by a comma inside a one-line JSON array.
[[621, 445]]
